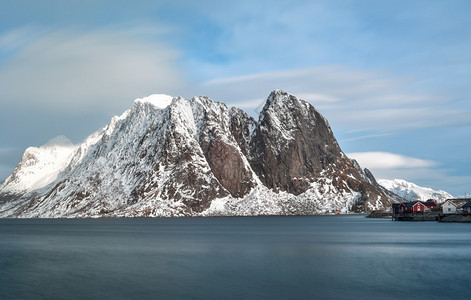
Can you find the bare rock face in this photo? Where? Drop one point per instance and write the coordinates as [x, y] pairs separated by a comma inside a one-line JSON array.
[[221, 150], [197, 157], [292, 142], [228, 167], [242, 127]]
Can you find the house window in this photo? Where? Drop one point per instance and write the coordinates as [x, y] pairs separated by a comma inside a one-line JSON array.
[[449, 209]]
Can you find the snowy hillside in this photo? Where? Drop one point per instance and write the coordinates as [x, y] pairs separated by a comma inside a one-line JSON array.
[[169, 156], [411, 192], [39, 166]]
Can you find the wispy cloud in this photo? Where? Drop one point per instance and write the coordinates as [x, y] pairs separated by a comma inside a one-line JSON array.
[[350, 99], [367, 136], [80, 70], [16, 38]]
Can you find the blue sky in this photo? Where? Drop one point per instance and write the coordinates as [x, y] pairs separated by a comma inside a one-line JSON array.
[[392, 77]]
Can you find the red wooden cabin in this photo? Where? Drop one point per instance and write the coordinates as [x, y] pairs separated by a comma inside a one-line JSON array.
[[411, 207]]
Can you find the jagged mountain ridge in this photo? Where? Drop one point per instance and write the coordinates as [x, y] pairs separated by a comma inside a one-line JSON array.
[[176, 157], [413, 192]]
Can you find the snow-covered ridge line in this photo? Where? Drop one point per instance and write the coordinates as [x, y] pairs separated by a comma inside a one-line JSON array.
[[412, 192]]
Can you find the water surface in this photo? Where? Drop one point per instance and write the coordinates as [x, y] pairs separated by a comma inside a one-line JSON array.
[[317, 257]]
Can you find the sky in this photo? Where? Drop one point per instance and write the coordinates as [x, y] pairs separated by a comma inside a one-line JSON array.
[[392, 77]]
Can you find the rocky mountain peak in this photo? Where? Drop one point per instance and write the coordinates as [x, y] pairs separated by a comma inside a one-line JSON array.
[[279, 103], [292, 143]]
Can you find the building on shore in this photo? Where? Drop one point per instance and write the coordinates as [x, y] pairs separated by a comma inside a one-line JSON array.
[[453, 206], [430, 210], [467, 208]]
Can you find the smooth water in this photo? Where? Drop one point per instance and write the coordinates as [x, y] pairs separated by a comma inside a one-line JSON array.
[[317, 257]]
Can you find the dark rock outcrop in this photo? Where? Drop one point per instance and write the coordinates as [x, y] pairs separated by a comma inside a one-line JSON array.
[[292, 141]]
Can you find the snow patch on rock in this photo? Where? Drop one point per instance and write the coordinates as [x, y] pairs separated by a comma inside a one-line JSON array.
[[158, 100]]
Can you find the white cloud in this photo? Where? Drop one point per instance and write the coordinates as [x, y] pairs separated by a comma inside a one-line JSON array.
[[79, 70], [386, 160]]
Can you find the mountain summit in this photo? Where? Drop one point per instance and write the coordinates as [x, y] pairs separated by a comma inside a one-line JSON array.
[[168, 156]]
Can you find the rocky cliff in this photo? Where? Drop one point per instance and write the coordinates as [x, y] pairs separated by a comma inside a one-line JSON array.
[[176, 157]]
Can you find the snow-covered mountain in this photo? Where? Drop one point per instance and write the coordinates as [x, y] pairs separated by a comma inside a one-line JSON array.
[[412, 192], [175, 157]]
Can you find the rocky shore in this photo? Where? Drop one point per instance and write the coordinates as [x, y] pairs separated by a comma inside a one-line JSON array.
[[456, 218], [380, 214]]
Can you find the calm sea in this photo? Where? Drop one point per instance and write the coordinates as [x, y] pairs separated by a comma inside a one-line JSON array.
[[318, 257]]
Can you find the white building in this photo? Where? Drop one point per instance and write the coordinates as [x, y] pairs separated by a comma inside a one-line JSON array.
[[448, 207], [452, 206]]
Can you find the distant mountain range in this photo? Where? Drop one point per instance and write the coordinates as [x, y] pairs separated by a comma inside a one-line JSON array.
[[412, 192], [169, 156]]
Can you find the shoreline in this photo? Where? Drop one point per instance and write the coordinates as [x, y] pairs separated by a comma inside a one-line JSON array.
[[421, 218]]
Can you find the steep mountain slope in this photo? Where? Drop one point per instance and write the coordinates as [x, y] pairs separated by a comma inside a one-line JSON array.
[[176, 157], [412, 192]]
